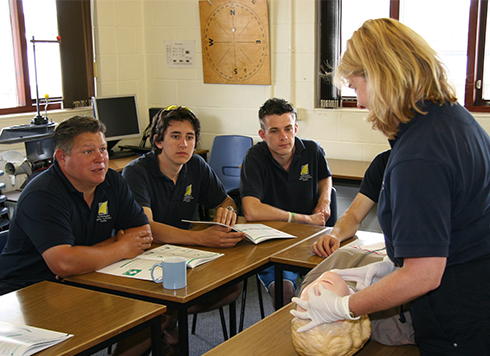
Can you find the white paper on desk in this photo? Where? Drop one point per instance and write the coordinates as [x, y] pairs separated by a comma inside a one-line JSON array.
[[140, 266], [256, 233], [23, 340], [368, 241]]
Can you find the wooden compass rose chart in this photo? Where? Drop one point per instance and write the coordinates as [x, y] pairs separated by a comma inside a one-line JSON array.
[[235, 41]]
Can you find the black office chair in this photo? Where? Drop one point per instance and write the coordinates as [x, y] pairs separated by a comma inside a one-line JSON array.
[[333, 209], [4, 234], [4, 219]]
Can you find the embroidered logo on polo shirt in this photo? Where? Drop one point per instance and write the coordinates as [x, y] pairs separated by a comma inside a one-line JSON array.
[[188, 194], [304, 175], [103, 214]]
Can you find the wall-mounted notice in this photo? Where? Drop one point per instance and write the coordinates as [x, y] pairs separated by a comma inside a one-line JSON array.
[[180, 54]]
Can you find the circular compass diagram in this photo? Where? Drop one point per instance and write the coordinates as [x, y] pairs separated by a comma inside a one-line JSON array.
[[235, 42]]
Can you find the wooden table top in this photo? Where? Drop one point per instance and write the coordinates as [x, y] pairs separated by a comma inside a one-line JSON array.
[[300, 254], [236, 262], [92, 317], [347, 169], [272, 336]]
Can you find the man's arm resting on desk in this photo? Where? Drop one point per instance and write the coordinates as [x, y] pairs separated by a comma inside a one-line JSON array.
[[325, 197], [214, 236], [254, 210], [67, 260], [345, 227]]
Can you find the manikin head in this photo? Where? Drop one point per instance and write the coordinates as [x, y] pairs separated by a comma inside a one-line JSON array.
[[342, 338]]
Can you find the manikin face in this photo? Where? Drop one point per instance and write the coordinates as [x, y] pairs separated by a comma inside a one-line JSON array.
[[87, 164], [179, 141], [340, 338], [279, 133], [331, 281], [359, 84]]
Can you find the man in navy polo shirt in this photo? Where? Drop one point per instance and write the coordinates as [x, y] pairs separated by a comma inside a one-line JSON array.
[[284, 178], [171, 181], [65, 218], [348, 224]]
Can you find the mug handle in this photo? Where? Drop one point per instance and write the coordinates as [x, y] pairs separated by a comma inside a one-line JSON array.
[[152, 269]]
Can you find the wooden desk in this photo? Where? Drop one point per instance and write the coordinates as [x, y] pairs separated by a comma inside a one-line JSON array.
[[272, 336], [238, 263], [96, 320], [347, 169], [300, 258], [118, 164]]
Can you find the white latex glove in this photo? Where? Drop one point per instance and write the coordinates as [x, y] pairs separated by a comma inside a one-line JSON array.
[[367, 275], [326, 307]]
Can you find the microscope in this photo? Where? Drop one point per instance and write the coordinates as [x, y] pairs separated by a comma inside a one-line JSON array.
[[37, 137]]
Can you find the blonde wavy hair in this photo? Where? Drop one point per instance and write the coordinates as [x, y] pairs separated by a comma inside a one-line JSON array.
[[401, 70]]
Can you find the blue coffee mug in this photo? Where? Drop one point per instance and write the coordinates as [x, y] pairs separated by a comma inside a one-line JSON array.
[[174, 272]]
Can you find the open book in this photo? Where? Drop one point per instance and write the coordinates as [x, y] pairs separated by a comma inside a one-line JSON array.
[[23, 340], [140, 266], [256, 233]]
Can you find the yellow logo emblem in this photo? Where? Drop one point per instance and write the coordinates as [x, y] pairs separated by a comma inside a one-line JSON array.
[[103, 208]]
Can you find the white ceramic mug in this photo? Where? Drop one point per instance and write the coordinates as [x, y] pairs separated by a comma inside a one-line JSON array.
[[174, 272]]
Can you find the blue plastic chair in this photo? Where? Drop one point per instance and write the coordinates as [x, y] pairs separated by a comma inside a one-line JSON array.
[[227, 156]]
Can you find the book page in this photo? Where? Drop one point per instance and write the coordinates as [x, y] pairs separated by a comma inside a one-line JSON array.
[[256, 233], [140, 266], [16, 340]]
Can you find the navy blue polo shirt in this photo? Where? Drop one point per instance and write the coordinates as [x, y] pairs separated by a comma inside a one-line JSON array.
[[264, 178], [170, 203], [51, 212], [435, 200], [373, 178]]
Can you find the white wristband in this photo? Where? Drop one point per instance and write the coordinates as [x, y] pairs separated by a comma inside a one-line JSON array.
[[290, 217]]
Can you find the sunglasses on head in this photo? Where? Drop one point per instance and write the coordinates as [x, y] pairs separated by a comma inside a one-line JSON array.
[[177, 107]]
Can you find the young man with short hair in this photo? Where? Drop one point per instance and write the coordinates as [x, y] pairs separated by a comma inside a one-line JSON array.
[[284, 178]]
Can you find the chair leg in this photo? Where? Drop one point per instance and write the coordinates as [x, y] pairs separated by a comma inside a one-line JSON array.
[[242, 307], [223, 323], [261, 301], [194, 322]]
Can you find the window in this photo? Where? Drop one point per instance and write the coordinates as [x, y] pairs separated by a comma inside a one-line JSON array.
[[64, 71], [453, 33]]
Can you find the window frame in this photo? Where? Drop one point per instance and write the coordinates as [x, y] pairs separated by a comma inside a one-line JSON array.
[[78, 82], [473, 100]]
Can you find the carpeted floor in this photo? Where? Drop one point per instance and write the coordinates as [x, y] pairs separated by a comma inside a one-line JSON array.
[[208, 328]]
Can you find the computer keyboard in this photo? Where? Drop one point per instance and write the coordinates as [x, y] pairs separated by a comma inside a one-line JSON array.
[[136, 149]]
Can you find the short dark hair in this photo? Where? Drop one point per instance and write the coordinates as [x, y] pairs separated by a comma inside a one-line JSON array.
[[161, 122], [275, 106], [68, 129]]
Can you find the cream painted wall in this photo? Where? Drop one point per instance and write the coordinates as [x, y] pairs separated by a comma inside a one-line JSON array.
[[129, 40], [130, 49]]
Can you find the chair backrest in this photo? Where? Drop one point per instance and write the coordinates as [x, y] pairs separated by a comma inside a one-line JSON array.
[[227, 156], [3, 239], [333, 209]]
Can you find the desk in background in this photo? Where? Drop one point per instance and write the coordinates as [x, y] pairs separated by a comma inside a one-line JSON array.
[[347, 169], [118, 164], [272, 336], [96, 320], [237, 264]]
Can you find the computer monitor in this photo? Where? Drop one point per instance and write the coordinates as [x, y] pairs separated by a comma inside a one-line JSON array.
[[120, 116]]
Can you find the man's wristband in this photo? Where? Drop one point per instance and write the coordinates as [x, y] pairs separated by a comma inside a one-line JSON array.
[[291, 217]]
